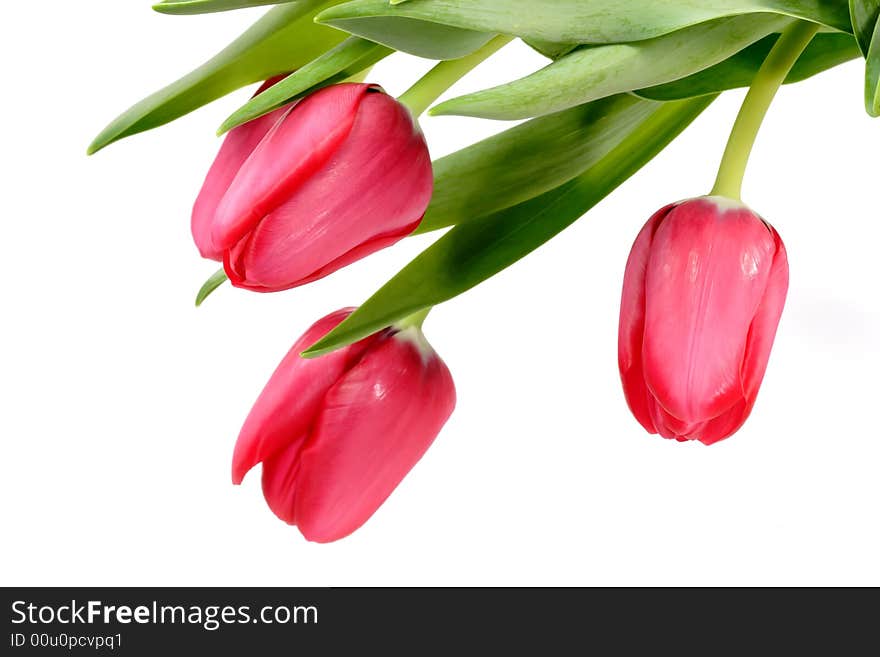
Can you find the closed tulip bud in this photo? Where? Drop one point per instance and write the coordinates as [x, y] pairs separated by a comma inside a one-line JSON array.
[[338, 433], [703, 292], [299, 193]]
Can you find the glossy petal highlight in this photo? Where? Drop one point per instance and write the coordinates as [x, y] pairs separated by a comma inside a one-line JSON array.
[[703, 293], [236, 148], [375, 425]]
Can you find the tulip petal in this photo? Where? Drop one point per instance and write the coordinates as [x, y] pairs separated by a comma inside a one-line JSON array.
[[708, 432], [631, 329], [291, 152], [726, 424], [279, 480], [372, 192], [766, 321], [292, 398], [376, 423], [236, 148], [707, 272], [671, 427]]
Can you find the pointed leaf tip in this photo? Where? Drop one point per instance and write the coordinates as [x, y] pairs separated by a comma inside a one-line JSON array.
[[351, 57], [589, 73], [190, 7], [283, 39], [216, 280]]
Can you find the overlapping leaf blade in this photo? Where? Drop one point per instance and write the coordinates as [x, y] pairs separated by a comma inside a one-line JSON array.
[[348, 58], [866, 24], [825, 51], [864, 15], [187, 7], [872, 75], [528, 160], [422, 38], [281, 41], [567, 21], [551, 49], [475, 250], [593, 72]]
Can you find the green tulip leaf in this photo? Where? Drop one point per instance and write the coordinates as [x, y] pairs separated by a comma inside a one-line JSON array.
[[825, 51], [283, 40], [568, 21], [348, 58], [530, 159], [187, 7], [216, 279], [551, 49], [872, 74], [864, 15], [475, 250], [866, 25], [593, 72], [423, 38]]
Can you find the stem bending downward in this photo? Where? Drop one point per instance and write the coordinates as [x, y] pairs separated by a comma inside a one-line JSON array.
[[767, 81], [431, 86]]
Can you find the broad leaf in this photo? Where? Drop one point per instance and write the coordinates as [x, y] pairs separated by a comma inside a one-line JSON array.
[[568, 21], [186, 7], [592, 72], [284, 39], [825, 51], [348, 58], [864, 15], [530, 159], [475, 250]]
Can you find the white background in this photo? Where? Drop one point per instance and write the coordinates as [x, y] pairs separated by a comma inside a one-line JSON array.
[[120, 402]]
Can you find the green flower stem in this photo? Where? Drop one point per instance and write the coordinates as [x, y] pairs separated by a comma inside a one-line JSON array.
[[431, 86], [422, 95], [767, 81], [361, 76], [416, 319]]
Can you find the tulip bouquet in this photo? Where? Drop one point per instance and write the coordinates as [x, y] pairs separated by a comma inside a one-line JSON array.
[[321, 167]]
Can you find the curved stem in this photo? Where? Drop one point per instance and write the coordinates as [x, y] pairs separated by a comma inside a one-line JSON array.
[[429, 88], [767, 81], [416, 319]]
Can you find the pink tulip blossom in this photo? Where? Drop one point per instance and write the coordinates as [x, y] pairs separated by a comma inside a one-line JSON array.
[[303, 191], [336, 434], [703, 292]]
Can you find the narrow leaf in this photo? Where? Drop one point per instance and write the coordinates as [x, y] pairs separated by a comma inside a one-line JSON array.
[[186, 7], [216, 279], [530, 159], [476, 250], [568, 21], [825, 51], [872, 74], [592, 72], [348, 58], [865, 16], [423, 38], [285, 39], [551, 49]]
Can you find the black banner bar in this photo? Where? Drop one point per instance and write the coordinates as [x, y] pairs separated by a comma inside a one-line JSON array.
[[267, 621]]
